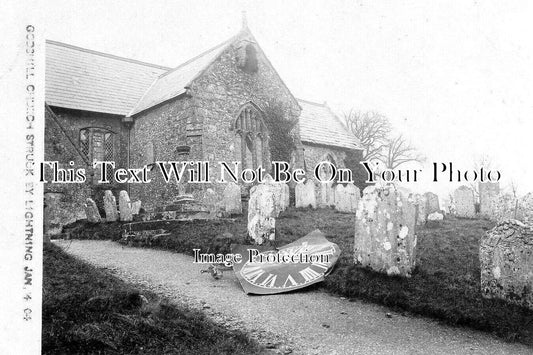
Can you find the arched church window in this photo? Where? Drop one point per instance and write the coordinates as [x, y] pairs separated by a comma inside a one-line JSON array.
[[251, 136]]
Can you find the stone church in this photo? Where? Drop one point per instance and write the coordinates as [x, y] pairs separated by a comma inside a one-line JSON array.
[[217, 106]]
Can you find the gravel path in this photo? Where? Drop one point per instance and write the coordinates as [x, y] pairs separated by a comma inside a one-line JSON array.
[[304, 322]]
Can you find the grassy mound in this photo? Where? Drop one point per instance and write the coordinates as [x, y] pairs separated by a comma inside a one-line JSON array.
[[85, 310]]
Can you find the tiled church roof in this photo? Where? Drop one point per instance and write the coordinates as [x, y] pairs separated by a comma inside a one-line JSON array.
[[173, 83], [319, 125], [82, 79]]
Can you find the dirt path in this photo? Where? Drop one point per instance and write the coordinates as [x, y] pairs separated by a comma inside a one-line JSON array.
[[304, 322]]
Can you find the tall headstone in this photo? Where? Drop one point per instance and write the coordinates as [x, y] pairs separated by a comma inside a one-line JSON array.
[[346, 198], [463, 197], [110, 206], [262, 212], [432, 203], [325, 194], [385, 237], [285, 196], [91, 211], [305, 194], [210, 200], [506, 261], [232, 198], [488, 196], [124, 206]]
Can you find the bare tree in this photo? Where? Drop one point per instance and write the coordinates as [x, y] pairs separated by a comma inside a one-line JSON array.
[[372, 129], [398, 151]]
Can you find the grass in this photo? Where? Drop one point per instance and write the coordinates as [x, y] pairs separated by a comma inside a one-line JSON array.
[[445, 284], [86, 310]]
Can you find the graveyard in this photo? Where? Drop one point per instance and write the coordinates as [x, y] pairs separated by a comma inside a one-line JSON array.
[[443, 284]]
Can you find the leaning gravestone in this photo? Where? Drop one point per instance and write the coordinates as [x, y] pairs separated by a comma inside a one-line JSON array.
[[346, 198], [506, 260], [385, 237], [488, 196], [432, 203], [110, 206], [262, 211], [232, 198], [124, 206], [464, 202], [305, 194], [91, 211]]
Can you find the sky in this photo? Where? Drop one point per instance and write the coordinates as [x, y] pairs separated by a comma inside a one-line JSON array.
[[455, 77]]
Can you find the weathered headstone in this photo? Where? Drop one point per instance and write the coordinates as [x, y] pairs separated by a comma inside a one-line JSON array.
[[262, 211], [420, 205], [124, 206], [232, 198], [110, 206], [488, 196], [346, 198], [91, 211], [136, 207], [385, 237], [305, 194], [210, 200], [464, 202], [506, 261], [432, 203], [325, 194], [285, 196]]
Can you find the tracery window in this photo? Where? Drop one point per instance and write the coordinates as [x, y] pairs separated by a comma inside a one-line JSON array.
[[252, 138]]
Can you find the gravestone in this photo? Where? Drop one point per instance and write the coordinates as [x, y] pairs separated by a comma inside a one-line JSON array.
[[124, 206], [488, 196], [385, 237], [136, 207], [262, 211], [432, 203], [421, 205], [506, 261], [232, 198], [91, 211], [110, 206], [285, 196], [325, 194], [346, 198], [305, 194], [210, 200], [464, 202]]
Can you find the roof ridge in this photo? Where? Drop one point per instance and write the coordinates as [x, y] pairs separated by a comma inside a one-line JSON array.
[[196, 57], [103, 54], [312, 102]]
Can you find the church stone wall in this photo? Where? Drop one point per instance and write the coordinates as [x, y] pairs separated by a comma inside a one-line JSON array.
[[159, 134], [64, 203]]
